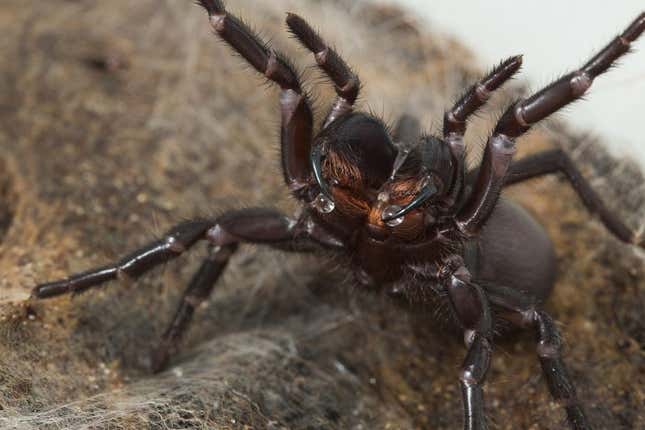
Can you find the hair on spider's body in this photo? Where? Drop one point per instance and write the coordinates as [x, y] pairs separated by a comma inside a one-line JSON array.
[[399, 207]]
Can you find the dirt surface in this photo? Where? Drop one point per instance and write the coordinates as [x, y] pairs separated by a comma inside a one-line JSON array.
[[119, 119]]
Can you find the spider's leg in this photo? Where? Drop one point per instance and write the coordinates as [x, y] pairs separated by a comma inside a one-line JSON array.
[[556, 160], [470, 306], [297, 118], [255, 225], [557, 377], [199, 289], [522, 310], [346, 82], [174, 243], [454, 120], [260, 226], [519, 118]]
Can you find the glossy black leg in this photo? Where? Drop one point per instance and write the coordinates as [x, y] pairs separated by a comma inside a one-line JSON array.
[[346, 82], [498, 155], [454, 121], [555, 372], [555, 161], [471, 379], [519, 118], [253, 225], [524, 312], [472, 310], [262, 226], [297, 118], [173, 244], [199, 289]]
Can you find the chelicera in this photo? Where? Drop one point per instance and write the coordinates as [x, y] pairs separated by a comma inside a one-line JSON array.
[[400, 206]]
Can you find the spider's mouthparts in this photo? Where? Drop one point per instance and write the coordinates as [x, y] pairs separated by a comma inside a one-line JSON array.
[[394, 214], [316, 158]]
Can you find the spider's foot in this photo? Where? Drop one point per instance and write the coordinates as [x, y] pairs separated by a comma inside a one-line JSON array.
[[50, 289]]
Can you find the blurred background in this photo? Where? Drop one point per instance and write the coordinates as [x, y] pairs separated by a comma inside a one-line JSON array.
[[556, 37]]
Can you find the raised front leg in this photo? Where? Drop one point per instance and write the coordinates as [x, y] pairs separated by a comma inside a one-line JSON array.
[[556, 160], [297, 118], [454, 121], [519, 118], [346, 82], [472, 310]]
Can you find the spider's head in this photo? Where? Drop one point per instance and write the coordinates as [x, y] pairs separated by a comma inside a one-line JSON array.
[[366, 179]]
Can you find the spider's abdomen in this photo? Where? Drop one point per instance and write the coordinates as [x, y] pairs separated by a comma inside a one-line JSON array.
[[515, 252]]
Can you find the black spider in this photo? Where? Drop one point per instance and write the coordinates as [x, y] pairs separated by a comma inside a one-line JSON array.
[[400, 207]]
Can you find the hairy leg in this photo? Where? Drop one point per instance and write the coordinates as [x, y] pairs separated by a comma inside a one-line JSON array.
[[177, 240], [346, 82], [524, 311], [454, 120], [199, 289], [254, 225], [519, 118], [561, 387], [297, 118], [555, 161]]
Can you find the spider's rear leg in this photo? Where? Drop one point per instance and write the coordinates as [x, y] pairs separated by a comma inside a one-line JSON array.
[[519, 118], [454, 120], [525, 312], [199, 289], [346, 82], [556, 160], [555, 372]]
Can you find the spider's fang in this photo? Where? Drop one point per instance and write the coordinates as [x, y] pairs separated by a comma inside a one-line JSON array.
[[316, 158], [429, 190], [401, 156]]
